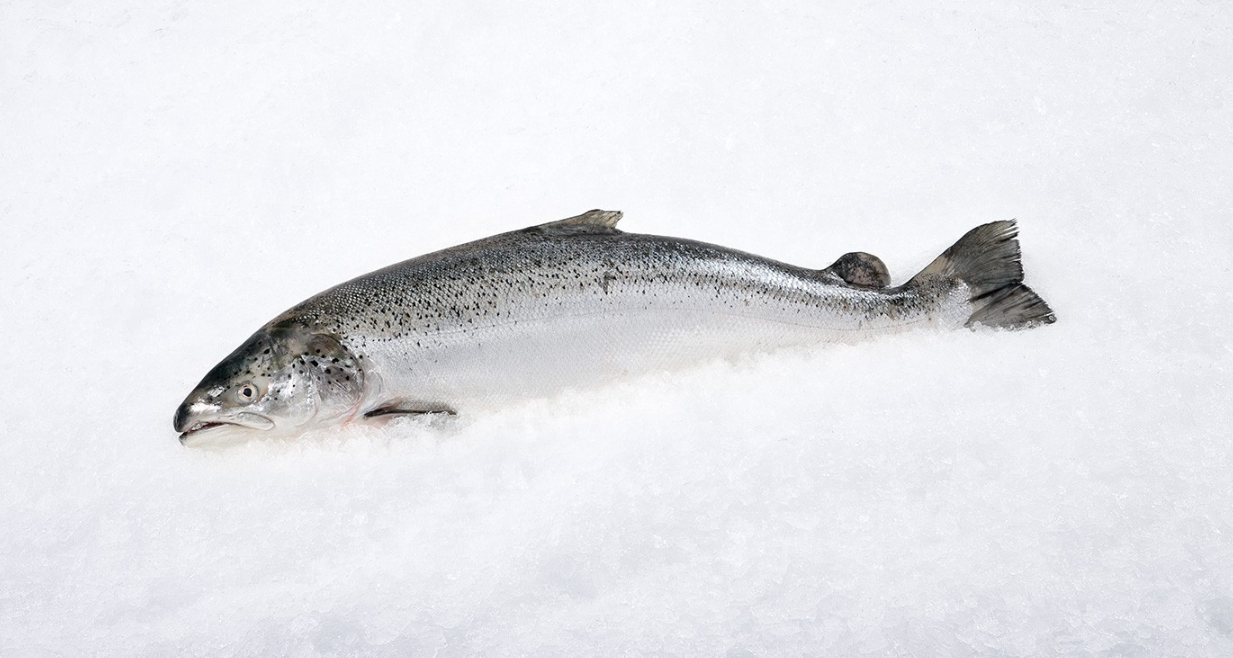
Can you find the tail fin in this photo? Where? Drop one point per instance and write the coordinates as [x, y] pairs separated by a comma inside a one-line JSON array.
[[987, 260]]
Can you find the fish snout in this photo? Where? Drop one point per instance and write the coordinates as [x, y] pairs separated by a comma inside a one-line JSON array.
[[193, 414], [184, 416]]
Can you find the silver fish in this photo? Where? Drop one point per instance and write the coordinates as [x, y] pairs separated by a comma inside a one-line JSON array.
[[573, 303]]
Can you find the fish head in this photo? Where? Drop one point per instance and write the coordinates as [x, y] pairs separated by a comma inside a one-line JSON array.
[[281, 381]]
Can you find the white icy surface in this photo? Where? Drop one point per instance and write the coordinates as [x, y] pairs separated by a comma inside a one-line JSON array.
[[173, 174]]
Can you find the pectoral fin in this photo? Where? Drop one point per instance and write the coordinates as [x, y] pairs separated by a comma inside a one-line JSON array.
[[409, 407]]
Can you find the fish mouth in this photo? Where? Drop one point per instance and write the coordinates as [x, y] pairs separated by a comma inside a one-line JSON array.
[[208, 430], [199, 427]]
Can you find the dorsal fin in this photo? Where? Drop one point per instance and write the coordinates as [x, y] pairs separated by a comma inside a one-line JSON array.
[[591, 221], [861, 269]]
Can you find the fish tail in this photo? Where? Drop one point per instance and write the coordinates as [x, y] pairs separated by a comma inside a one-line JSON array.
[[987, 260]]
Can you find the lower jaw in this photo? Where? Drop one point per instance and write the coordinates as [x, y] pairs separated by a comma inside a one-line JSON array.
[[221, 435]]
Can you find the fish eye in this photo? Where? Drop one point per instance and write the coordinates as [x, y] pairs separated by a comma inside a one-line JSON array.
[[246, 392]]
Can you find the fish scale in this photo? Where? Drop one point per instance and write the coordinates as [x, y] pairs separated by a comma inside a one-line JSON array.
[[578, 302]]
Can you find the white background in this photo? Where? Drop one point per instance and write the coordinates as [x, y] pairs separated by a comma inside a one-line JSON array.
[[174, 174]]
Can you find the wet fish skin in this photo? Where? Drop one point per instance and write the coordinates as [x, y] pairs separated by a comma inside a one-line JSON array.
[[574, 303]]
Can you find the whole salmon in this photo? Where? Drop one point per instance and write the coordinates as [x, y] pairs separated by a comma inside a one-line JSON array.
[[572, 303]]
